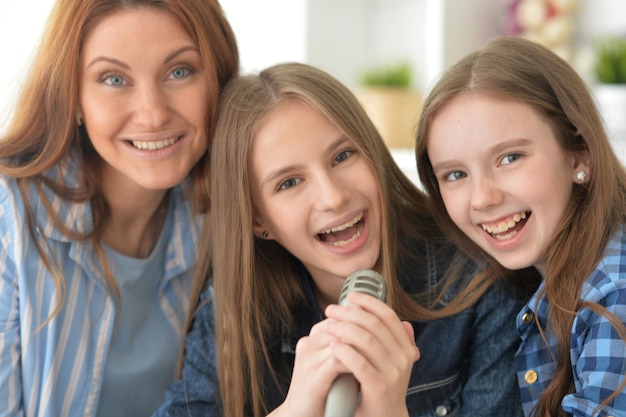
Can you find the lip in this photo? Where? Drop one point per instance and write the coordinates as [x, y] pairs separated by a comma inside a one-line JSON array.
[[155, 154]]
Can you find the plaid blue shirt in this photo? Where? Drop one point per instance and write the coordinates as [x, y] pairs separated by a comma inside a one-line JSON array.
[[597, 353]]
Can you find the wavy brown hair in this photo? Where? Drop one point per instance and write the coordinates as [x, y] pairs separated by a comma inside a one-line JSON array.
[[254, 280], [43, 130], [516, 69]]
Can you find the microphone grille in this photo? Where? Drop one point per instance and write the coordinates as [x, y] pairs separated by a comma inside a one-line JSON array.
[[366, 281]]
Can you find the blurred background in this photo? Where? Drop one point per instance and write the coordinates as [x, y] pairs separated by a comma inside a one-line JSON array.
[[387, 51]]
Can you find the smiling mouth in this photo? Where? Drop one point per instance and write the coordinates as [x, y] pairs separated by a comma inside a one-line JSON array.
[[507, 229], [344, 234], [153, 145]]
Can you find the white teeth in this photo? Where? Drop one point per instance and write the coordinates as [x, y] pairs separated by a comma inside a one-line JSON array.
[[506, 237], [154, 145], [344, 226], [347, 242], [505, 226]]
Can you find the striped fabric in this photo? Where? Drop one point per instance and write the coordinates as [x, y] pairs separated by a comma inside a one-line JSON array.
[[55, 369]]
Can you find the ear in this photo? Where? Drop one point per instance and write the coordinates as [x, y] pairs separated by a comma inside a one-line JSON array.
[[259, 228], [79, 118], [581, 162]]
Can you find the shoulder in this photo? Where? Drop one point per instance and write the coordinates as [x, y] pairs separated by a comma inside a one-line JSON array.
[[605, 288], [75, 216], [608, 280], [9, 192], [11, 209]]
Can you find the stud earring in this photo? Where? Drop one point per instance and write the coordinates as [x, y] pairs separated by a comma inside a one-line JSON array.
[[581, 176], [265, 235]]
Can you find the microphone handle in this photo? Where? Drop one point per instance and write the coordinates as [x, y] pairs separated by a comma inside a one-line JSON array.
[[343, 396]]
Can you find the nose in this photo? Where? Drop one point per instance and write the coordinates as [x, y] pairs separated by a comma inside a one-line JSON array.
[[331, 193], [486, 193], [152, 107]]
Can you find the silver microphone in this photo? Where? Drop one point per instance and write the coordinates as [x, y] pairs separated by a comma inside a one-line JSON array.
[[344, 393]]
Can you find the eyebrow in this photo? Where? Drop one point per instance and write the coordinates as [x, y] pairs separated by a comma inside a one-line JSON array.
[[497, 148], [509, 143], [282, 171], [167, 59]]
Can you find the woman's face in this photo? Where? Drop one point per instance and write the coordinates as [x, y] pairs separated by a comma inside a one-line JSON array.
[[144, 99], [503, 176], [315, 194]]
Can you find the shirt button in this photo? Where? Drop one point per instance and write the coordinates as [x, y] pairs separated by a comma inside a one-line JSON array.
[[530, 377], [527, 318], [441, 411]]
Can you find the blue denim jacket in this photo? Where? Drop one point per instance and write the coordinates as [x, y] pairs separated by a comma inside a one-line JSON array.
[[466, 368]]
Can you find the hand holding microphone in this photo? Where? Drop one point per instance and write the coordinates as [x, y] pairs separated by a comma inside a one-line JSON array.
[[373, 336], [344, 393]]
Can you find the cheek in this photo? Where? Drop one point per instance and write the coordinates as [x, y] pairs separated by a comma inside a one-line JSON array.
[[195, 105], [101, 115], [287, 229], [455, 207]]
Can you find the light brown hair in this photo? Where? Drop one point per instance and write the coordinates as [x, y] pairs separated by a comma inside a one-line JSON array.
[[519, 70]]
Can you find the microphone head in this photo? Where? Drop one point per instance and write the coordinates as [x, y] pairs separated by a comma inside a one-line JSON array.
[[366, 281]]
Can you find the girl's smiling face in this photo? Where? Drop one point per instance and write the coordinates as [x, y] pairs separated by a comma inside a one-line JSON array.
[[504, 178], [314, 193]]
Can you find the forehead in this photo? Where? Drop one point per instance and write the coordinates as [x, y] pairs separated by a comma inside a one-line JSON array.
[[293, 131], [144, 27], [482, 111]]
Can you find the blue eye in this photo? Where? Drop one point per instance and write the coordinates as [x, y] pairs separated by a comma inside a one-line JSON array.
[[455, 176], [113, 80], [342, 156], [288, 183], [181, 72], [510, 158]]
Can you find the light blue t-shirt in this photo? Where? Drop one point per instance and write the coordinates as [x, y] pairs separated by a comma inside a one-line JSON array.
[[144, 348]]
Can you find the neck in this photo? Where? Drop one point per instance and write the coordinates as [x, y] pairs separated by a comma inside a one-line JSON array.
[[135, 224]]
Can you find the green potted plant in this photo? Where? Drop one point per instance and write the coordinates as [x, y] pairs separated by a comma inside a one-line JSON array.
[[610, 62], [395, 76], [391, 102], [610, 88]]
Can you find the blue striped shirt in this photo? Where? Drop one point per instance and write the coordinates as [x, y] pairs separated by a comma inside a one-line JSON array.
[[597, 353], [57, 369]]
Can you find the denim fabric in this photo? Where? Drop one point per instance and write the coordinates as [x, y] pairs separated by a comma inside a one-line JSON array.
[[466, 367]]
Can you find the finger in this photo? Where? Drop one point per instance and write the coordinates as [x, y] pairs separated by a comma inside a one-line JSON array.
[[372, 314], [371, 341]]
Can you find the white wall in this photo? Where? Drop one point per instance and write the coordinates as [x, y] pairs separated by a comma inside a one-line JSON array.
[[341, 36], [268, 31], [21, 24]]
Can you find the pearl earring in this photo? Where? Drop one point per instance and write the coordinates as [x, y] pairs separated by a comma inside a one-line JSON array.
[[581, 176]]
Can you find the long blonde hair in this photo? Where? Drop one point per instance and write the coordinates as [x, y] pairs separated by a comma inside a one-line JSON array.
[[516, 69], [43, 130], [255, 284]]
